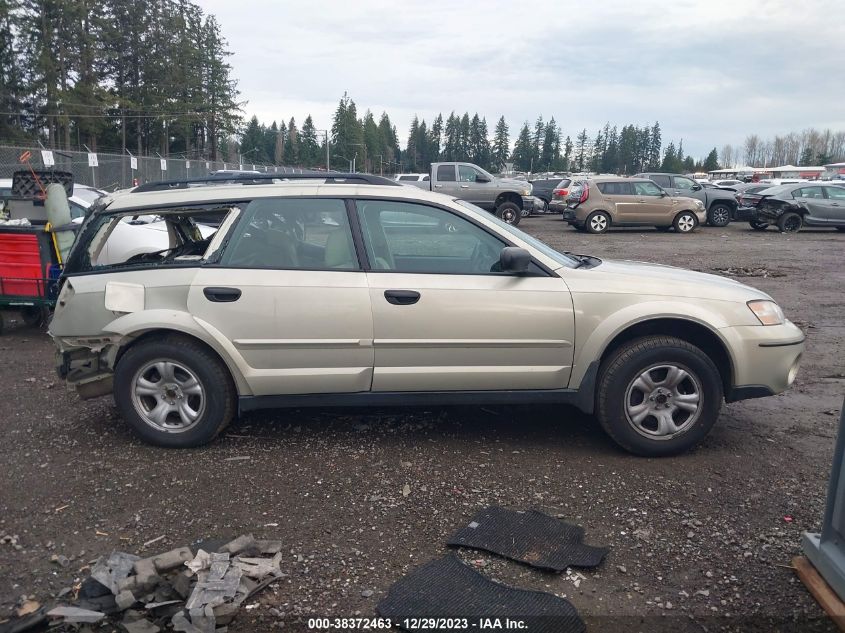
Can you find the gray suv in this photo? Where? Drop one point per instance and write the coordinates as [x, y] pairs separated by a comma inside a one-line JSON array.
[[720, 204]]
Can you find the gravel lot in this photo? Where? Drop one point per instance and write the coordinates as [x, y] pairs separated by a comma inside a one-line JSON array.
[[698, 542]]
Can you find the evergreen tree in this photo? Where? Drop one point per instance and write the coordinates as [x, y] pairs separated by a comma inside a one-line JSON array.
[[537, 143], [453, 138], [309, 148], [463, 136], [435, 138], [582, 153], [501, 144], [374, 144], [523, 149], [711, 163], [292, 144], [347, 134], [412, 152], [551, 145], [655, 147], [389, 139], [567, 154]]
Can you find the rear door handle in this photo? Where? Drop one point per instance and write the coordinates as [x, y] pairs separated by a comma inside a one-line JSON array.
[[222, 295], [402, 297]]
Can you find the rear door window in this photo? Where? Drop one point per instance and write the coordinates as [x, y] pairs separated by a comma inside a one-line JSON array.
[[291, 234], [808, 192], [446, 173], [616, 188]]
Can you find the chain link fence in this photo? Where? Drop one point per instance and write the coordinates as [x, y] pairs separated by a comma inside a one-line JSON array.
[[115, 171]]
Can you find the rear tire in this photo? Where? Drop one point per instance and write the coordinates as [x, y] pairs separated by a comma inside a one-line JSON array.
[[597, 222], [658, 396], [174, 392], [790, 222], [719, 215], [758, 225], [509, 212], [685, 222], [34, 316]]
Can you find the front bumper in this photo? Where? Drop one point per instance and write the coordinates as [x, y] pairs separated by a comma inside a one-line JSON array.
[[528, 203], [765, 358]]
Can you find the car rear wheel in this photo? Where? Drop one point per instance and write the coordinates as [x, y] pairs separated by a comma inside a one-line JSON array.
[[174, 392], [790, 222], [509, 212], [758, 225], [685, 222], [597, 222], [658, 395], [719, 215]]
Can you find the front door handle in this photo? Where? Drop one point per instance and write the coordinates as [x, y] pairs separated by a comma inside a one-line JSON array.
[[439, 186], [222, 295], [464, 186], [402, 297]]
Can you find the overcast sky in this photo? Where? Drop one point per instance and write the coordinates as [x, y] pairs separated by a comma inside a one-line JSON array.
[[711, 71]]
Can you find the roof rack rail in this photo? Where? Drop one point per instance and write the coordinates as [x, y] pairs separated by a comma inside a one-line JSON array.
[[331, 178]]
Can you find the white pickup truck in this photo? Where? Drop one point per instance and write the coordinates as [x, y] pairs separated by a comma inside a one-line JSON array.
[[505, 197]]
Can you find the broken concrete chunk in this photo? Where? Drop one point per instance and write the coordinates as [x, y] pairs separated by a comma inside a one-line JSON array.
[[109, 571], [172, 559], [125, 599], [203, 619], [269, 547], [146, 577], [75, 615], [139, 626], [219, 565], [225, 613], [240, 544], [214, 592], [201, 561], [182, 584], [259, 568]]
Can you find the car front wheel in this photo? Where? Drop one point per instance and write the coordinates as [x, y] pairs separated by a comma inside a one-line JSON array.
[[685, 222], [174, 392], [658, 395], [719, 215], [509, 212]]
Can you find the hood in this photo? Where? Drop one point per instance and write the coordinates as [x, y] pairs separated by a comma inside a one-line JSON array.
[[660, 280], [513, 183]]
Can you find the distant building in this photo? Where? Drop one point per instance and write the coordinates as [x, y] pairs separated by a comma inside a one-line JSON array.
[[834, 170]]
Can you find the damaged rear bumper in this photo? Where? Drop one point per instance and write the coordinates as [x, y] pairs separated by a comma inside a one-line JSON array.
[[87, 365]]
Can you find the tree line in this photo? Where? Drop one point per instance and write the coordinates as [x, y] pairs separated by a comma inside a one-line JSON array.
[[810, 147], [114, 74]]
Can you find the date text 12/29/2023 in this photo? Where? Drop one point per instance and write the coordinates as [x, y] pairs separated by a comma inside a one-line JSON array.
[[418, 624]]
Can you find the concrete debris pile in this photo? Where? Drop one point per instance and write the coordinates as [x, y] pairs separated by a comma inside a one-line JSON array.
[[195, 591]]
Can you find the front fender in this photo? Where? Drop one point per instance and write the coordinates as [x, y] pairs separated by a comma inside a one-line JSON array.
[[591, 342], [135, 324]]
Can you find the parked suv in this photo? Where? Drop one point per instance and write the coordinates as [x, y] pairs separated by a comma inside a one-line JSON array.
[[596, 204], [720, 204], [350, 290]]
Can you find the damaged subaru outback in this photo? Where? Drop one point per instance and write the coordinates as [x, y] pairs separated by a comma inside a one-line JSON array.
[[349, 290]]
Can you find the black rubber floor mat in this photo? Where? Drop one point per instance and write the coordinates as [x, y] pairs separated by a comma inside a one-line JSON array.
[[531, 537], [446, 595]]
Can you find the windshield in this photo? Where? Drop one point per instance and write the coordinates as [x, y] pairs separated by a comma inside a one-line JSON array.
[[548, 251], [86, 194]]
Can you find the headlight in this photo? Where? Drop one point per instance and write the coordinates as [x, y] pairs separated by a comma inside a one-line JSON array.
[[767, 312], [699, 204], [526, 192]]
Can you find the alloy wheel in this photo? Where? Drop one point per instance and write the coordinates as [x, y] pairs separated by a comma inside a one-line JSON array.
[[168, 396]]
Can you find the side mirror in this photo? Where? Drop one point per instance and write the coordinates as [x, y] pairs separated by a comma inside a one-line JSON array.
[[696, 187], [480, 178], [664, 194], [514, 259]]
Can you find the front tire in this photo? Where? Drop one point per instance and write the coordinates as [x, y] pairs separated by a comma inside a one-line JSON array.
[[685, 222], [509, 212], [790, 222], [174, 392], [597, 222], [719, 215], [658, 396]]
